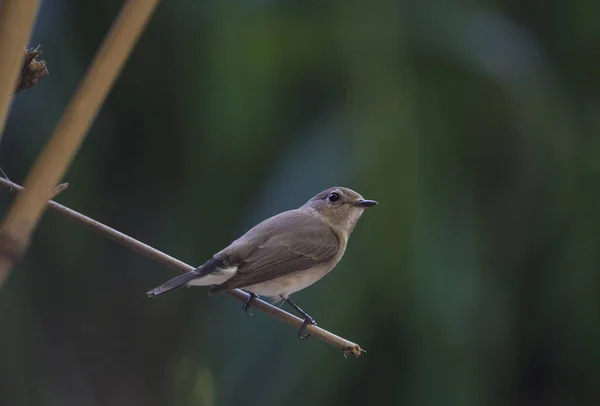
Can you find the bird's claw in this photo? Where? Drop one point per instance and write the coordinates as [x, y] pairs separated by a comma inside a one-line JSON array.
[[307, 321], [248, 303], [246, 307]]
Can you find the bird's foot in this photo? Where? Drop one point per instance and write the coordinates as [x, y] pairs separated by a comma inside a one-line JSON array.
[[248, 303], [307, 319], [301, 334]]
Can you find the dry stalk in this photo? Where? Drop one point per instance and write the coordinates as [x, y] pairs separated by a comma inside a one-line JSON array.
[[49, 168]]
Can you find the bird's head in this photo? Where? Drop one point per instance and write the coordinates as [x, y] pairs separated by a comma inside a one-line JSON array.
[[340, 207]]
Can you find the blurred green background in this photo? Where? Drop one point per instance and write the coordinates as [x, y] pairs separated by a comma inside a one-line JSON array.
[[476, 281]]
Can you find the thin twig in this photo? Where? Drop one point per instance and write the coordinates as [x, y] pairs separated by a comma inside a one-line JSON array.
[[49, 168], [16, 22], [348, 347], [59, 189]]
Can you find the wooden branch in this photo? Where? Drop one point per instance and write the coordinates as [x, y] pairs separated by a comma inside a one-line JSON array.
[[16, 21], [49, 168], [347, 346], [32, 70]]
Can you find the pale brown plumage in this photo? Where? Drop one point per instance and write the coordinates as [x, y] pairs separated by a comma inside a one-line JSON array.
[[289, 242]]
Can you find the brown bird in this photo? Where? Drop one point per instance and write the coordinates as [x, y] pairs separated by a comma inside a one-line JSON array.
[[283, 254]]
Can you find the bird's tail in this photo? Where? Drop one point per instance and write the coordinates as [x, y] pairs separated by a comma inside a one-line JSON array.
[[183, 280], [177, 282]]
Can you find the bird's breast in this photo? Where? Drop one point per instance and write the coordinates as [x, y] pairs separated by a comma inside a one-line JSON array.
[[288, 284]]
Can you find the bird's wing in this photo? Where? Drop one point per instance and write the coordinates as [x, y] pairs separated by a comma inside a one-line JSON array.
[[287, 250]]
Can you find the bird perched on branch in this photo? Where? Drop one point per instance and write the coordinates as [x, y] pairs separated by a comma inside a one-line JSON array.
[[283, 254]]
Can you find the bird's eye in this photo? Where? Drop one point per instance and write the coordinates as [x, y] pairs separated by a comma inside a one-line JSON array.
[[333, 197]]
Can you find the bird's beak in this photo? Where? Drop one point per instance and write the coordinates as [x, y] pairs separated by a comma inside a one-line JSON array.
[[365, 203]]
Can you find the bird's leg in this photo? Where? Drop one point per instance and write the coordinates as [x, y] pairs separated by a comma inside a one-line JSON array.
[[307, 319], [248, 303]]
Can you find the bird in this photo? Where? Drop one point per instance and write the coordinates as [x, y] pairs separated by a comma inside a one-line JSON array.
[[284, 253]]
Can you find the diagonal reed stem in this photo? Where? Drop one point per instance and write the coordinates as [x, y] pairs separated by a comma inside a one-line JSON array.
[[50, 167]]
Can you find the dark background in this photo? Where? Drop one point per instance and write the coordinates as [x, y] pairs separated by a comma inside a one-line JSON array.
[[476, 280]]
